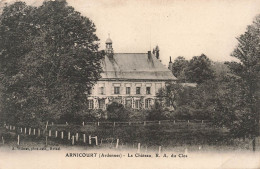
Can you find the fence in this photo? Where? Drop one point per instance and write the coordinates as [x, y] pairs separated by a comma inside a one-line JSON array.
[[87, 138], [77, 137], [159, 122], [59, 136]]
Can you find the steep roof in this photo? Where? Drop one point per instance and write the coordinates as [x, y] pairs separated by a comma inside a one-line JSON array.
[[135, 66]]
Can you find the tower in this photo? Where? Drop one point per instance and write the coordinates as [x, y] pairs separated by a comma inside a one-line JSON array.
[[156, 52], [170, 64], [109, 48]]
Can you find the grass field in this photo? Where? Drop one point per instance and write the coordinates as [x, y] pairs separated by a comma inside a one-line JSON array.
[[177, 136]]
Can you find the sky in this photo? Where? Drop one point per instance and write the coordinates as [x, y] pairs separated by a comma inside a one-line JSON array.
[[179, 27]]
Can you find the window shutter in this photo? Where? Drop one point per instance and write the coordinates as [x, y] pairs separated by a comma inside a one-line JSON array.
[[133, 103]]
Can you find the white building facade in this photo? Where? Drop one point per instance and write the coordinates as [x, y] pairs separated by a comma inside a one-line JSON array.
[[132, 79]]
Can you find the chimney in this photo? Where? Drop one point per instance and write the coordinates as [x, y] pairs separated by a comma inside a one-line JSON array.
[[149, 54], [170, 64]]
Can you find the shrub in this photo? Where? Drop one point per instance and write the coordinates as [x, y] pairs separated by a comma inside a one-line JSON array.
[[117, 112], [138, 115], [158, 112]]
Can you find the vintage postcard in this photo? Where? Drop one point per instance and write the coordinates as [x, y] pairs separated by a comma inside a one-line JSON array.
[[112, 84]]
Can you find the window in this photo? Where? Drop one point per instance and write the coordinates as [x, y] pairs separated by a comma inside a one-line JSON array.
[[127, 90], [128, 103], [148, 90], [138, 90], [116, 90], [148, 103], [90, 104], [101, 103], [137, 104], [101, 91]]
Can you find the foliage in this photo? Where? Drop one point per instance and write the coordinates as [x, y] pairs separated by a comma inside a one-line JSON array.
[[138, 115], [190, 102], [158, 112], [117, 112], [199, 69], [179, 67], [246, 74], [85, 116], [169, 95], [49, 59]]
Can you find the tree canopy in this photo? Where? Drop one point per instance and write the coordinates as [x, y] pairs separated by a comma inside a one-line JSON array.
[[49, 59], [197, 70], [179, 67], [246, 73]]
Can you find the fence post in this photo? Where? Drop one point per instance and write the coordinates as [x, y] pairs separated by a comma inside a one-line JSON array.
[[96, 140], [174, 121], [3, 140], [46, 140], [114, 124], [25, 130], [117, 142], [56, 134], [33, 131], [144, 123], [10, 127], [83, 123], [160, 149], [77, 137], [89, 139], [62, 135], [47, 123], [18, 140], [30, 131], [98, 123], [49, 133], [139, 147], [39, 132], [21, 130], [68, 135], [202, 121], [72, 140], [159, 122], [84, 138]]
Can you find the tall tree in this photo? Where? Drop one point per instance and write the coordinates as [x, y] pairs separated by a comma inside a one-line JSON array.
[[199, 69], [247, 72], [179, 67], [49, 60]]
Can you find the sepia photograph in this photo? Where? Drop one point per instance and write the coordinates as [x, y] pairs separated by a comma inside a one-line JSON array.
[[112, 84]]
